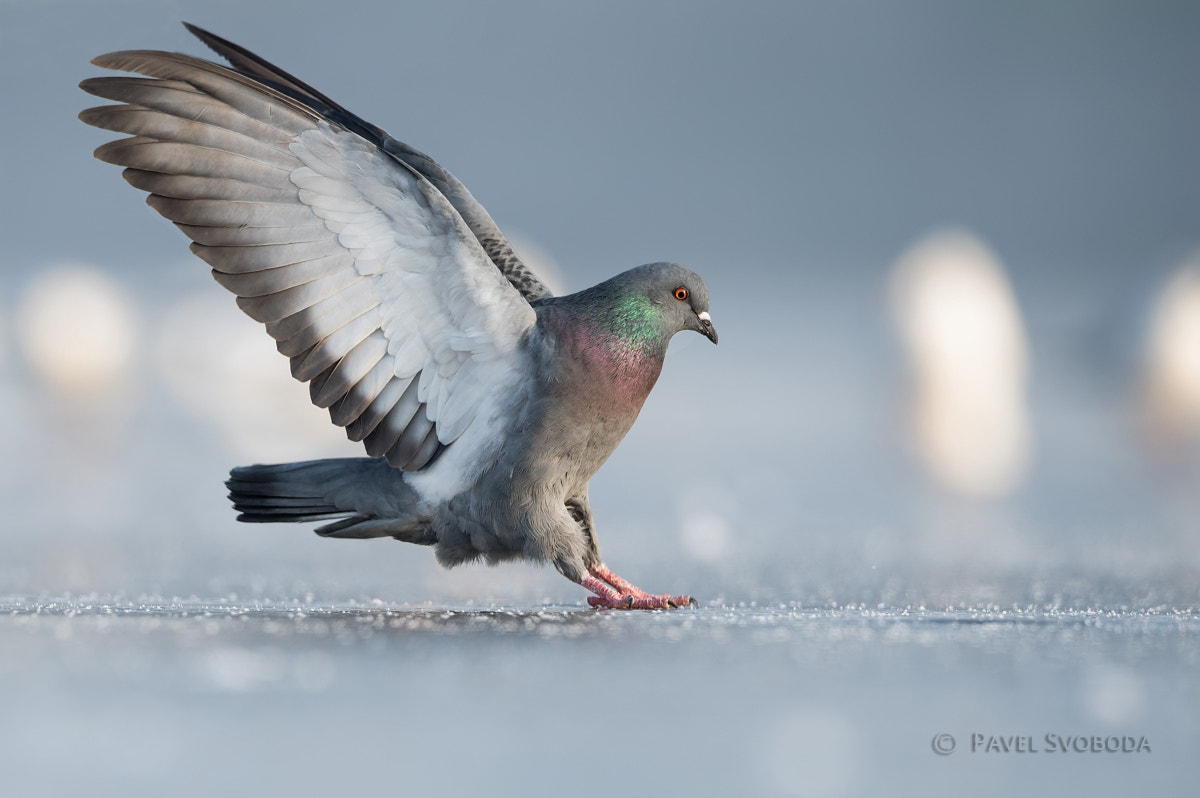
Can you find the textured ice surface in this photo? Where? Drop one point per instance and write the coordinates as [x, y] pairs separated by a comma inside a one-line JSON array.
[[188, 697]]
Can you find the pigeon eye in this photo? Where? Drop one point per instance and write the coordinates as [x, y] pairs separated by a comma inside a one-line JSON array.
[[681, 293]]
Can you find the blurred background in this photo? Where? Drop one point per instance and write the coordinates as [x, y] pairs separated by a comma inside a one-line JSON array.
[[954, 255], [952, 250]]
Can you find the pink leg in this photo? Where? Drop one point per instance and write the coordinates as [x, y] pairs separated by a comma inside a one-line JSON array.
[[600, 571], [616, 593]]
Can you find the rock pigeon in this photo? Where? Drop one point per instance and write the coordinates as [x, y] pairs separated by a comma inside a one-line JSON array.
[[485, 402]]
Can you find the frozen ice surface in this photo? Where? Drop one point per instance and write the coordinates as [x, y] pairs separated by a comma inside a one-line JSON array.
[[293, 697]]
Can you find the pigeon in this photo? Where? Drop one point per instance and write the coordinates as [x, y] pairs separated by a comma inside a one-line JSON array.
[[485, 403]]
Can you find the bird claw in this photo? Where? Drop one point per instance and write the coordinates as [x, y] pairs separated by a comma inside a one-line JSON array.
[[614, 593], [629, 601]]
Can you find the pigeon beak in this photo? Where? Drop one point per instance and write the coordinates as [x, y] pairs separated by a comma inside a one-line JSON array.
[[706, 326]]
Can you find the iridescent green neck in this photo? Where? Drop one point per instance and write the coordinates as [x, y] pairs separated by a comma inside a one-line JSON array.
[[636, 324], [613, 346]]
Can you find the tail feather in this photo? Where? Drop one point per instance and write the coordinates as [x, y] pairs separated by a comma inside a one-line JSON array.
[[280, 493], [364, 496]]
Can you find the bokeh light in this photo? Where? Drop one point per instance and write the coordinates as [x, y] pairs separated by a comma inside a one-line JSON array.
[[4, 334], [969, 360], [1171, 381], [77, 331], [705, 513]]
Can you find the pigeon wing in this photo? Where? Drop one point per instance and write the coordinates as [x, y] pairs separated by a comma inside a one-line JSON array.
[[363, 272], [498, 250]]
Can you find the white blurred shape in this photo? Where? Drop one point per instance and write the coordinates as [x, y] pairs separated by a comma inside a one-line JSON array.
[[1113, 694], [1172, 372], [966, 346], [77, 330], [3, 334], [704, 526], [812, 753], [223, 369], [706, 536], [240, 670]]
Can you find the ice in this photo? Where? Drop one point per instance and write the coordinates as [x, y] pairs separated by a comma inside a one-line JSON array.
[[773, 700]]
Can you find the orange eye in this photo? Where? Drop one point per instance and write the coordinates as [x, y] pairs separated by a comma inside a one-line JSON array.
[[681, 293]]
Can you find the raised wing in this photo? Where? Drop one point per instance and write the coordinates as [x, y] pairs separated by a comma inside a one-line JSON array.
[[362, 271], [477, 218]]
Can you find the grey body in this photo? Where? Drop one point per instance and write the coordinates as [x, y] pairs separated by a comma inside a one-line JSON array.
[[532, 501]]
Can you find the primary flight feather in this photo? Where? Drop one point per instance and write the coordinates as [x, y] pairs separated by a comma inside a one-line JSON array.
[[485, 403]]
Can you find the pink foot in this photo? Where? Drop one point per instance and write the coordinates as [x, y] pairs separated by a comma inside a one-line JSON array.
[[613, 592]]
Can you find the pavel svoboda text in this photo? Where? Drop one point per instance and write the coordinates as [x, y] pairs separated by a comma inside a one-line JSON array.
[[1060, 744]]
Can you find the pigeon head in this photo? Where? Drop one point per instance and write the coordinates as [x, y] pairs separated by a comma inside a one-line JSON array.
[[649, 304]]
